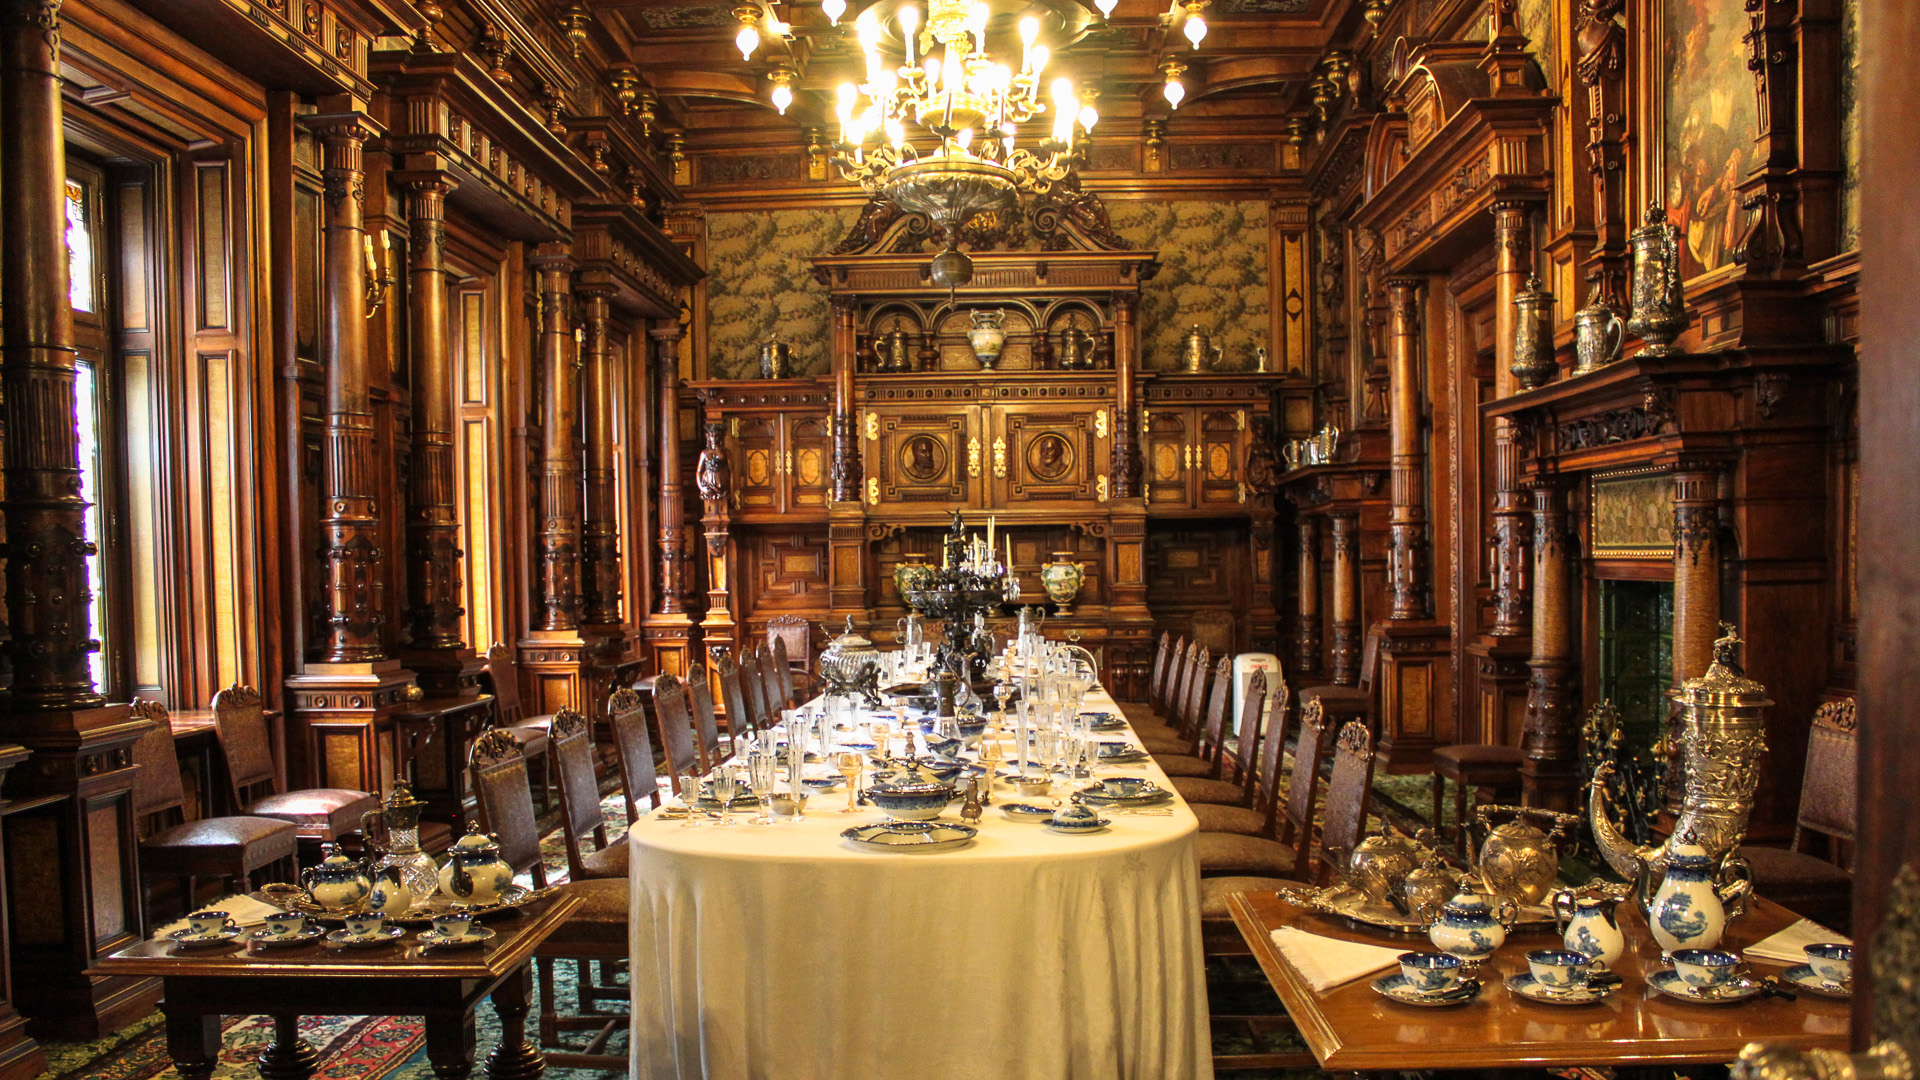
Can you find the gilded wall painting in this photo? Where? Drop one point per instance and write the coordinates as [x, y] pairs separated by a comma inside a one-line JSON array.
[[1633, 516], [1711, 123], [759, 281], [1213, 274]]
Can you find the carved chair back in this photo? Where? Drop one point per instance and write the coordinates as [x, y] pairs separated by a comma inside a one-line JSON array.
[[580, 814], [503, 676], [795, 634], [1173, 691], [1829, 791], [1157, 674], [1213, 739], [781, 668], [670, 707], [1264, 795], [1369, 658], [1199, 662], [505, 792], [634, 747], [705, 724], [1253, 710], [1349, 790], [733, 694], [1303, 786], [240, 725], [771, 694], [753, 690], [157, 787]]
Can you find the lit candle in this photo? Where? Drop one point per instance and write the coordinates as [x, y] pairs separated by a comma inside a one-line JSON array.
[[1009, 554], [990, 544]]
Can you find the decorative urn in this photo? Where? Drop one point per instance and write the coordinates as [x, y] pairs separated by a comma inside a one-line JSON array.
[[1428, 887], [1516, 858], [1062, 579], [1076, 349], [775, 356], [987, 336], [912, 575], [475, 873], [338, 883], [1378, 866], [1197, 352], [896, 351]]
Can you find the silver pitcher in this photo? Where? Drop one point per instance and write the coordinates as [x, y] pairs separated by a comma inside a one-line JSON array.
[[775, 357], [1659, 302], [1197, 352], [1533, 363], [1598, 335], [1722, 736]]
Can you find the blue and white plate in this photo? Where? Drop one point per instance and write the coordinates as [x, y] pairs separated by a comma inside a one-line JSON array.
[[187, 938], [475, 935], [821, 783], [1669, 983], [905, 836], [1090, 825], [1526, 986], [386, 935], [1394, 987], [262, 939], [1807, 981], [1020, 811], [1115, 753]]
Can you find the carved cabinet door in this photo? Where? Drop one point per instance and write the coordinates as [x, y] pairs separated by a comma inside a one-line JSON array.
[[1167, 449], [807, 449], [1220, 442], [757, 462], [931, 456], [1051, 453]]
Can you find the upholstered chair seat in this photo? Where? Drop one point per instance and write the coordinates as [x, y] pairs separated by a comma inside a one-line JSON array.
[[608, 862], [1183, 765], [1231, 853], [213, 846], [317, 811], [1201, 790], [1241, 820]]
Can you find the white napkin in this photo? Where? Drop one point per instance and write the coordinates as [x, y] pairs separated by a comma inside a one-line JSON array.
[[1329, 962], [243, 910], [1789, 946]]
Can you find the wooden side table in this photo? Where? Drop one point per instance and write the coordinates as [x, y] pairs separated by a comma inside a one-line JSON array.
[[402, 979]]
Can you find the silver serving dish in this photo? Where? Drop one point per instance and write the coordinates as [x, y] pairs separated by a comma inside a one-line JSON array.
[[420, 914], [1350, 903], [910, 836]]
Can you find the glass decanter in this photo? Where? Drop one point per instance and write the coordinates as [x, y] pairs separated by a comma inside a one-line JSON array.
[[399, 819]]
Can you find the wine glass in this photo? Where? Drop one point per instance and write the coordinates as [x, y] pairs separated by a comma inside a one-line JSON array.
[[726, 788], [850, 765], [690, 797], [760, 772]]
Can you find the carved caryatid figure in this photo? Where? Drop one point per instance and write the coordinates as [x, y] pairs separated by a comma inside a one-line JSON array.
[[1600, 41], [713, 474]]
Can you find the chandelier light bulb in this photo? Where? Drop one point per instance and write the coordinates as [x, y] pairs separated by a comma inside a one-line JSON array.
[[782, 91], [748, 39], [833, 9], [1029, 30], [965, 138], [1175, 90], [1063, 95], [847, 94], [1089, 116], [1041, 54], [909, 22], [1196, 28], [1106, 7]]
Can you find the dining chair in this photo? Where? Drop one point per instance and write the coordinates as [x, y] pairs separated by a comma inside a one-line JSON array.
[[240, 726], [597, 931], [782, 669], [186, 848], [1820, 888], [733, 694], [1166, 718], [1280, 851], [633, 746], [581, 817], [1206, 757], [670, 710], [1177, 737], [706, 724], [1192, 710], [1349, 791], [1343, 703], [1140, 714], [753, 692], [503, 679], [794, 635], [771, 692], [1259, 754]]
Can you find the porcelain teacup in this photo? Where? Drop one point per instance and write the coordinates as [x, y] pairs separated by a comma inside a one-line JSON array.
[[1559, 971], [1430, 972], [365, 925], [208, 923], [453, 925], [1705, 969], [285, 924], [1832, 961]]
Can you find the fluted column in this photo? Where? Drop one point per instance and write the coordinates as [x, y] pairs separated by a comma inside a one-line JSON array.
[[355, 584], [600, 558], [1307, 631], [1346, 599], [1512, 525], [673, 510], [1407, 521], [1552, 742], [1126, 449], [434, 597], [559, 444], [1696, 587]]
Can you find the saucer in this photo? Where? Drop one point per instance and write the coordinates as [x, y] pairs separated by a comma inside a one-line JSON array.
[[1094, 826], [1524, 985], [1395, 988], [476, 934], [1804, 979], [1020, 811], [185, 938], [386, 935], [1669, 983], [267, 941], [821, 783]]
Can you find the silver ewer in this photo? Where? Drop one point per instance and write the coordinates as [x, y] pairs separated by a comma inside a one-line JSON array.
[[1533, 362], [1598, 335], [1659, 301]]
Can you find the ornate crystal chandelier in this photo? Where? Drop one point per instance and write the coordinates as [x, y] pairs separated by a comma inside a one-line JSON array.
[[950, 89]]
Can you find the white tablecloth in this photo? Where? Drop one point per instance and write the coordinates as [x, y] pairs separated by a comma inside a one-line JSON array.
[[781, 952]]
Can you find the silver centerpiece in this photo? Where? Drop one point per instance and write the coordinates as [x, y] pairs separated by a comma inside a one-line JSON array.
[[851, 666], [1659, 302], [1722, 735], [1533, 362]]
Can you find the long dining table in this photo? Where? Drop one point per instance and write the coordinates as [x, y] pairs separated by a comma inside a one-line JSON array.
[[783, 952]]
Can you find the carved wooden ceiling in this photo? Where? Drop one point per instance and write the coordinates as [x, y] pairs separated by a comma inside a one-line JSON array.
[[1254, 62]]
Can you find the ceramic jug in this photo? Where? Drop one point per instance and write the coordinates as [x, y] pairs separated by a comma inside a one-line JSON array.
[[338, 883], [475, 873], [1472, 925], [1690, 910], [1590, 925]]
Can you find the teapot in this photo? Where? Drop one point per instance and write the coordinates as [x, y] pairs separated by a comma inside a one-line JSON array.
[[1378, 866], [1516, 858], [1589, 925], [1428, 886], [1473, 925], [391, 894], [475, 873], [1692, 907], [1197, 352], [338, 883]]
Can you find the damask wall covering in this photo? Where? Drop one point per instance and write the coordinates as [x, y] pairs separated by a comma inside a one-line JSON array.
[[1213, 274], [1711, 121], [759, 281], [1849, 124]]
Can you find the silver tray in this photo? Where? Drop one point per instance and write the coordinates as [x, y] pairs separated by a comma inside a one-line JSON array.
[[1351, 904], [294, 899]]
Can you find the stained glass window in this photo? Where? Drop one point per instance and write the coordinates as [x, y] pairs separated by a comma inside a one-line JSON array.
[[79, 249], [87, 410]]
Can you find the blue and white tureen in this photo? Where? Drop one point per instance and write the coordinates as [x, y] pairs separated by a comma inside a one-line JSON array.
[[911, 793]]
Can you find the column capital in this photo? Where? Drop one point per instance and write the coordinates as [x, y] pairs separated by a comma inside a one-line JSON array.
[[669, 334]]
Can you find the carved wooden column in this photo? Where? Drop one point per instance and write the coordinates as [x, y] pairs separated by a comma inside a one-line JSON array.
[[1696, 587], [1511, 521], [1127, 506], [669, 629], [1549, 776], [1126, 448], [1600, 67], [1346, 597], [600, 570], [436, 649], [1307, 630], [845, 472], [1407, 529], [559, 445], [74, 852], [713, 478]]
